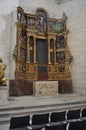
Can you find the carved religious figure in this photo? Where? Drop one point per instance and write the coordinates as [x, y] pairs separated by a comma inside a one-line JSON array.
[[41, 21], [60, 42], [2, 72]]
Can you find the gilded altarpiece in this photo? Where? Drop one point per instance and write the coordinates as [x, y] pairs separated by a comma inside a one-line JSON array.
[[41, 51]]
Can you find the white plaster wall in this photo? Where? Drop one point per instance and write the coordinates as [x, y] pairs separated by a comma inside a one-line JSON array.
[[30, 6], [76, 24], [7, 9]]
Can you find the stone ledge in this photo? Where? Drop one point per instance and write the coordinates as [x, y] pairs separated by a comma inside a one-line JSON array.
[[3, 87], [3, 95]]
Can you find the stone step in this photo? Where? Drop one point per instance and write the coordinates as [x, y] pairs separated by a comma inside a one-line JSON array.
[[50, 106], [7, 114], [32, 105], [41, 106]]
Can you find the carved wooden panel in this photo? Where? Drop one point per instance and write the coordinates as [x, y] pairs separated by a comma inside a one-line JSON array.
[[43, 88]]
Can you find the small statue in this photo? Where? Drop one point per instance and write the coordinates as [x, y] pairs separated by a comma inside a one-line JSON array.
[[2, 71]]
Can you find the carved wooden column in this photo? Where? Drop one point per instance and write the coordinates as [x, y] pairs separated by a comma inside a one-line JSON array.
[[49, 61], [54, 52], [65, 38], [66, 54], [19, 29], [34, 49], [28, 51]]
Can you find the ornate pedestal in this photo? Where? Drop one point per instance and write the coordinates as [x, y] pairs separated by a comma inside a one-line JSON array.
[[45, 88]]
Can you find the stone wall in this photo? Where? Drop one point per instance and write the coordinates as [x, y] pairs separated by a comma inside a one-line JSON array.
[[7, 28]]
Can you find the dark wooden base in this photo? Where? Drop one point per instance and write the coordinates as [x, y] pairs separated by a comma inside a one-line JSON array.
[[20, 87], [25, 87], [65, 86]]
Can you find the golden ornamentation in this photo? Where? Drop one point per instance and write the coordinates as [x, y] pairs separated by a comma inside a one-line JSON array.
[[53, 33], [2, 72]]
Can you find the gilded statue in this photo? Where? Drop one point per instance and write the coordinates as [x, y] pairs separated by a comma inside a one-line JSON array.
[[2, 72]]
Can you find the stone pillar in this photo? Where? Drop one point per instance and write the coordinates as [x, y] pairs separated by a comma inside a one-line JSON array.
[[65, 38]]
